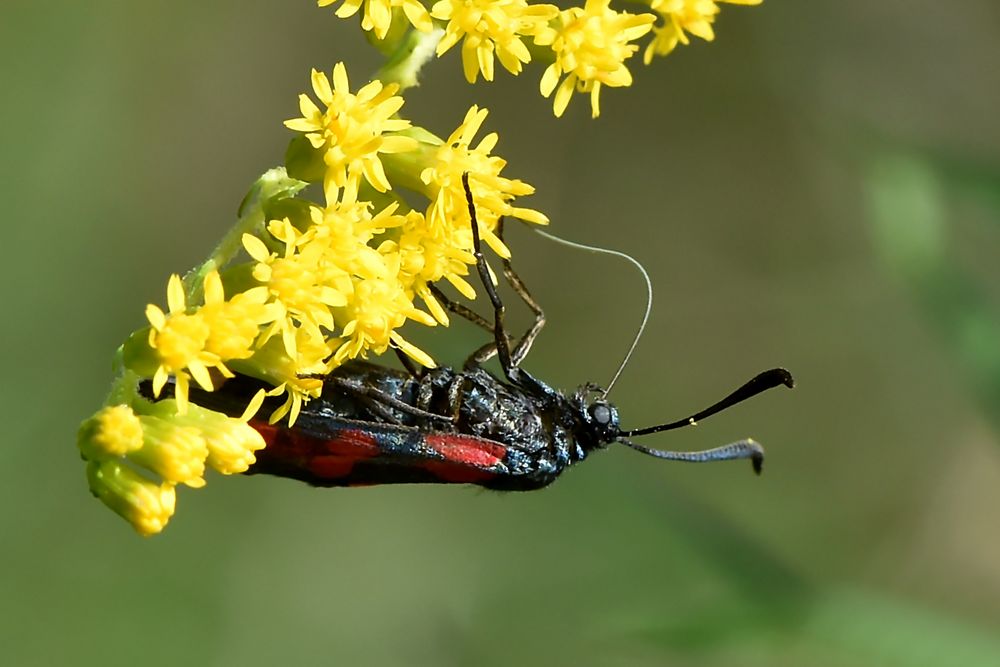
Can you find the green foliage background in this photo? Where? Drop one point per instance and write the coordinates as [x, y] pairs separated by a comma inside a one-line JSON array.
[[818, 189]]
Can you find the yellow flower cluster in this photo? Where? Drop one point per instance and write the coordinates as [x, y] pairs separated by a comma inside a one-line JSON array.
[[136, 454], [325, 282], [586, 46]]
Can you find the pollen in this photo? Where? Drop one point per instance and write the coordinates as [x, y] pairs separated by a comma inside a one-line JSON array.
[[591, 45], [491, 29], [352, 129]]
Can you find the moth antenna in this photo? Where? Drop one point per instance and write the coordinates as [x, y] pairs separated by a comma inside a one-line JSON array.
[[742, 449], [762, 382], [649, 296]]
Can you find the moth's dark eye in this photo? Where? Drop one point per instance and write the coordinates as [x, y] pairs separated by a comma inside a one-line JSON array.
[[600, 413]]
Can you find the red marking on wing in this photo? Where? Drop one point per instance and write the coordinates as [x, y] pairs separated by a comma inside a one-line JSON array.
[[331, 467], [267, 431], [329, 458], [466, 449], [350, 446], [342, 442]]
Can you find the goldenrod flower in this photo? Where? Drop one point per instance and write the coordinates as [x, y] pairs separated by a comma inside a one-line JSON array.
[[684, 16], [174, 452], [113, 431], [492, 192], [230, 442], [145, 504], [303, 283], [378, 14], [591, 46], [179, 343], [347, 227], [428, 254], [379, 307], [489, 27], [233, 326], [352, 130]]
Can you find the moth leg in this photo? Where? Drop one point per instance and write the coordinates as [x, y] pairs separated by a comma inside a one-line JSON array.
[[379, 410], [524, 344], [425, 393], [455, 391], [460, 309], [486, 352], [385, 399], [501, 340]]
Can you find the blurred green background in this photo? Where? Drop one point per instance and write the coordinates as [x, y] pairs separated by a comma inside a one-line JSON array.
[[819, 188]]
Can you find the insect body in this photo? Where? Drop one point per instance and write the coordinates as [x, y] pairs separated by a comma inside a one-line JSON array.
[[377, 425]]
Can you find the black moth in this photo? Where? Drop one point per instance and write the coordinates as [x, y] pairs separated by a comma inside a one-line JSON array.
[[377, 425]]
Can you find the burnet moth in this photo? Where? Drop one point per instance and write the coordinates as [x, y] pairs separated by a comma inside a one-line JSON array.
[[378, 425]]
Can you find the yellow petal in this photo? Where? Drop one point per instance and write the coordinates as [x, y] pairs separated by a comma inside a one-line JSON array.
[[175, 294], [340, 81], [200, 373], [563, 95], [412, 351], [256, 248], [549, 80], [254, 405], [159, 380], [156, 317], [321, 86], [213, 288]]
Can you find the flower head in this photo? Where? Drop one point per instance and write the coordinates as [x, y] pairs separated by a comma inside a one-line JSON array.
[[175, 452], [591, 46], [145, 504], [491, 192], [378, 14], [352, 130], [233, 326], [229, 442], [303, 283], [488, 28], [179, 342], [681, 17], [114, 430], [379, 307]]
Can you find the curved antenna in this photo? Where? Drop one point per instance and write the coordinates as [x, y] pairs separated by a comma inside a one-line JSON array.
[[762, 382], [742, 449], [649, 296]]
